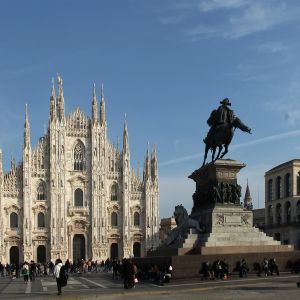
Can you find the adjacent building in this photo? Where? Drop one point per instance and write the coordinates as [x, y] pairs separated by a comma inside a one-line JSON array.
[[166, 226], [282, 203], [75, 195]]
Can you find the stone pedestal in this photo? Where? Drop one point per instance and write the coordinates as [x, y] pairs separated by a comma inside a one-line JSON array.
[[228, 226]]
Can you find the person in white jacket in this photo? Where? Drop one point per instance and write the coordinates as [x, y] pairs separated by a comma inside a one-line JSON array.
[[58, 265]]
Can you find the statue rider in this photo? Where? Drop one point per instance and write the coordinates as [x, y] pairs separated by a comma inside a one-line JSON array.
[[218, 117]]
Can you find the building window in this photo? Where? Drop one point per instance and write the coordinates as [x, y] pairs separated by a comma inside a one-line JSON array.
[[78, 195], [114, 192], [41, 220], [13, 220], [298, 212], [79, 156], [298, 183], [270, 214], [288, 212], [287, 185], [41, 191], [136, 219], [278, 214], [270, 190], [114, 219], [278, 187]]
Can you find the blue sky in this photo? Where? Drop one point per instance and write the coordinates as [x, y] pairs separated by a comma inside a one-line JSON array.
[[165, 63]]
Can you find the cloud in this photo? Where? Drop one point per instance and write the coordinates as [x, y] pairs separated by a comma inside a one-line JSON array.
[[240, 18], [263, 140], [271, 47], [172, 19], [288, 105], [259, 17], [211, 5]]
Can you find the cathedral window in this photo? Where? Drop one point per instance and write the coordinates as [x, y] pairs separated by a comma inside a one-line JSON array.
[[114, 192], [13, 220], [41, 193], [78, 197], [42, 163], [136, 219], [114, 219], [79, 157], [41, 220]]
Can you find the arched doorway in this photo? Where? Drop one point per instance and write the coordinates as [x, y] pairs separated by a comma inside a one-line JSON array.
[[41, 254], [78, 247], [114, 250], [137, 249], [14, 255]]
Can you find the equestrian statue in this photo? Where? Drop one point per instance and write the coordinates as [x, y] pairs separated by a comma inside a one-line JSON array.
[[223, 123]]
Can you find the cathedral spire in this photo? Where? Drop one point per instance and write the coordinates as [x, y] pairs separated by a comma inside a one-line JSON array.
[[153, 163], [12, 163], [147, 167], [125, 137], [52, 102], [248, 200], [102, 107], [61, 99], [26, 129], [94, 105], [118, 145], [1, 167]]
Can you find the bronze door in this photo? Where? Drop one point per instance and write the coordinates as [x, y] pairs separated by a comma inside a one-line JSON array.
[[78, 248]]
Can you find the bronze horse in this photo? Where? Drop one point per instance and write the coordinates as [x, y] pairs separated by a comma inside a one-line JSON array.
[[222, 137]]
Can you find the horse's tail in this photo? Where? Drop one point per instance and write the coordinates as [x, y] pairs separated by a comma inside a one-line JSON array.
[[237, 123]]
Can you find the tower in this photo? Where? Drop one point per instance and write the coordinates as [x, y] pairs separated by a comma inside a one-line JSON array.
[[147, 182], [248, 200], [27, 208], [155, 196], [126, 194], [57, 182]]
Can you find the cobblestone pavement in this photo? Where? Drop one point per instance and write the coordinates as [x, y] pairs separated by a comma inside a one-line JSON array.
[[99, 286]]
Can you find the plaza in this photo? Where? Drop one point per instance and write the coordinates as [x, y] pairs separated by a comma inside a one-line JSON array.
[[99, 286]]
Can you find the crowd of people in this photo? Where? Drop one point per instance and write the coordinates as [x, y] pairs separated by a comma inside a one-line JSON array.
[[126, 269], [220, 269]]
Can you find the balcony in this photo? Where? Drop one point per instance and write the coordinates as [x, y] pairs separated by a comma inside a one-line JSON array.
[[76, 210]]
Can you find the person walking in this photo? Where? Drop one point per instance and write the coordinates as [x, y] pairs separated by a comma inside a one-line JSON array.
[[25, 272], [56, 273]]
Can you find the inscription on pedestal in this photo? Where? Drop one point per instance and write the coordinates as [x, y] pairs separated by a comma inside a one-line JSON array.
[[234, 220]]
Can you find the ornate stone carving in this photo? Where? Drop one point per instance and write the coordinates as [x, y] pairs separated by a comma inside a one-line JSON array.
[[220, 219], [245, 219]]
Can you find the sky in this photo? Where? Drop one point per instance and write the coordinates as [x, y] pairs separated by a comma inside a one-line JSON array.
[[166, 64]]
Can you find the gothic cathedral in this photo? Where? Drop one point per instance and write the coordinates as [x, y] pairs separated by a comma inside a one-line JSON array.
[[75, 196]]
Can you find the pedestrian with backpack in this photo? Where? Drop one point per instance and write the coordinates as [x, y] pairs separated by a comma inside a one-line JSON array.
[[60, 275]]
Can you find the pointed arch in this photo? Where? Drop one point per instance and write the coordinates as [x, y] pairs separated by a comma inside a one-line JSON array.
[[79, 156]]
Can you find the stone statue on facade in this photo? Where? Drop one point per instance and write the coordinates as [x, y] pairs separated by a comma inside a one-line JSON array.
[[222, 122], [184, 223]]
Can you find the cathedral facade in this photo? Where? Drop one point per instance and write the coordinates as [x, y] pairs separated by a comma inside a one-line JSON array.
[[75, 196]]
